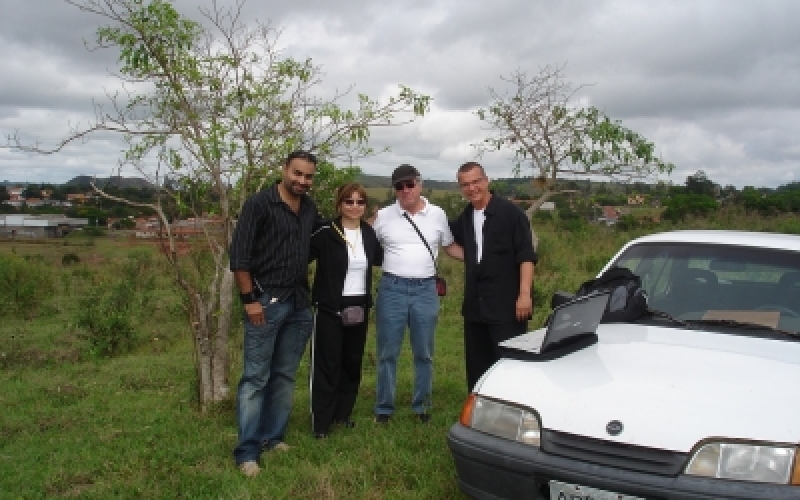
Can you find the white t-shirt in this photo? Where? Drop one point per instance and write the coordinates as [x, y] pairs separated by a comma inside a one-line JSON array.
[[478, 217], [355, 281], [404, 254]]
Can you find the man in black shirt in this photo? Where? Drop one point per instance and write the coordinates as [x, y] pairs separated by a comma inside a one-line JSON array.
[[269, 259], [498, 262]]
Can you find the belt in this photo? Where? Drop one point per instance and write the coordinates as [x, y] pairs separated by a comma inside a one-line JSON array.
[[396, 277]]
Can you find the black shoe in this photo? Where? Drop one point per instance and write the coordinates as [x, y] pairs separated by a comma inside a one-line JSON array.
[[382, 419], [424, 417], [320, 435], [347, 424]]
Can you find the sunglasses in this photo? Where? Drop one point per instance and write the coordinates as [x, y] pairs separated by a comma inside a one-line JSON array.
[[401, 185], [355, 202]]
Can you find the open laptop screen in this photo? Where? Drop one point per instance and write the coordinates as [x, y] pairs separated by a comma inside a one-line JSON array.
[[573, 320], [577, 317]]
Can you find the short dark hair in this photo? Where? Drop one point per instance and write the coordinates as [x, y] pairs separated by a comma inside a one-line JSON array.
[[345, 191], [303, 155], [469, 166]]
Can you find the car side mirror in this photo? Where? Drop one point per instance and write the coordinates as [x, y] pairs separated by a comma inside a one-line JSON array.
[[560, 298]]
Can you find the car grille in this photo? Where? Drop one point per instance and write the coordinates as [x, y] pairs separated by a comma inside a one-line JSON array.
[[624, 456]]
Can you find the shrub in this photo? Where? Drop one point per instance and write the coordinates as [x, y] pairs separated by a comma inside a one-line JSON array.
[[70, 258], [93, 231], [24, 283], [680, 205], [626, 223], [106, 315]]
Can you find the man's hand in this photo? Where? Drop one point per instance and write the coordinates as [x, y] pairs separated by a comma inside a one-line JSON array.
[[455, 251], [255, 313], [524, 307]]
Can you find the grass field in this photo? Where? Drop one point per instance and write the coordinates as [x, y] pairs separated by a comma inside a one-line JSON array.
[[78, 426]]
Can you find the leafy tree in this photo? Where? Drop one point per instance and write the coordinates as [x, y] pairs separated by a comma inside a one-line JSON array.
[[699, 183], [4, 194], [678, 206], [32, 191], [223, 111], [500, 188], [553, 138]]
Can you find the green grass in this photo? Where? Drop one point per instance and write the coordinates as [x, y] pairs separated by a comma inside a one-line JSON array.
[[77, 427]]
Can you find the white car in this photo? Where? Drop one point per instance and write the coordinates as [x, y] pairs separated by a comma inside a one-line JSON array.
[[700, 399]]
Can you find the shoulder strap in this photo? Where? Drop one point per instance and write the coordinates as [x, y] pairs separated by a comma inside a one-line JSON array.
[[405, 214]]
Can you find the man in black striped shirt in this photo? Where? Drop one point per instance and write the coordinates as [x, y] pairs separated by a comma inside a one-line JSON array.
[[269, 259]]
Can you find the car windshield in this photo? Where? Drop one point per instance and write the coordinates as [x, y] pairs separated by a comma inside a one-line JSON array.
[[719, 282]]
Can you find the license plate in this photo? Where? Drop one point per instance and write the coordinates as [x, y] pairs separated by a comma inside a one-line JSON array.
[[566, 491]]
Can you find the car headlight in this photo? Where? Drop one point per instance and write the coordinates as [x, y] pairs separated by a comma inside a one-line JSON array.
[[501, 419], [746, 462]]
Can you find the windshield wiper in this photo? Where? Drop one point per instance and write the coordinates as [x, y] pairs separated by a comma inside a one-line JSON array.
[[739, 324], [722, 322]]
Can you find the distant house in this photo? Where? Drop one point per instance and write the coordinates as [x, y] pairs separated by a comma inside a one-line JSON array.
[[77, 198], [609, 217], [15, 193], [38, 226], [636, 199], [150, 227]]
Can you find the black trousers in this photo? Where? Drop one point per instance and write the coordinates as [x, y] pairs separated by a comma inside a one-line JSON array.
[[337, 352], [480, 345]]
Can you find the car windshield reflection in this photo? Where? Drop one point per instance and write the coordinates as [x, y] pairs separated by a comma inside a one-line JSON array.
[[719, 282]]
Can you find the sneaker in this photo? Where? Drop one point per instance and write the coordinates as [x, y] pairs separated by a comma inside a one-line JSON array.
[[320, 435], [424, 417], [382, 419], [250, 468], [280, 446]]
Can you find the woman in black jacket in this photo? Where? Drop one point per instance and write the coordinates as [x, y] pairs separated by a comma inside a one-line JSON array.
[[345, 250]]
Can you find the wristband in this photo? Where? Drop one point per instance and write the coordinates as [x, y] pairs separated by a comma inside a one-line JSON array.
[[248, 298]]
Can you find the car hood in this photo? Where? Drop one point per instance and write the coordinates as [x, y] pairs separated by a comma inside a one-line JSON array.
[[670, 388]]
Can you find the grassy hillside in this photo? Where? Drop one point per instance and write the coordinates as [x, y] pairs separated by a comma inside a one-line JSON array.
[[81, 426]]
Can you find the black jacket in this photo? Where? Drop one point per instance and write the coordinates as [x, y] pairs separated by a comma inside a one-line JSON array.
[[491, 286], [330, 252]]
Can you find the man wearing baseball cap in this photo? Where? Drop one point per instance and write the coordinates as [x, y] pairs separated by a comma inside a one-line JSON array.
[[407, 295]]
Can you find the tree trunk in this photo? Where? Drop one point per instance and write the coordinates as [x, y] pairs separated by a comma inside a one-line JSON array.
[[219, 358], [202, 347]]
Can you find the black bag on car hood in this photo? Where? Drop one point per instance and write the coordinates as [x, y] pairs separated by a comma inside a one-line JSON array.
[[628, 300]]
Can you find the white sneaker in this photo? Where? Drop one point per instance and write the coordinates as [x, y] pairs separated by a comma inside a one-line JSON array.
[[249, 469]]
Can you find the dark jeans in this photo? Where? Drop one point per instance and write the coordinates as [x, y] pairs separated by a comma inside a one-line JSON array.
[[480, 345], [272, 353], [337, 353]]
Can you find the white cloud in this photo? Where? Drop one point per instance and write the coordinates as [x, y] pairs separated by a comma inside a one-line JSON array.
[[711, 82]]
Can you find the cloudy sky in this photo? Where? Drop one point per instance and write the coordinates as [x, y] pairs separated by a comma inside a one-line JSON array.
[[714, 84]]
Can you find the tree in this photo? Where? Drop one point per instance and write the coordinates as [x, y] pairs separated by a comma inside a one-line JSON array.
[[222, 112], [553, 138], [699, 183]]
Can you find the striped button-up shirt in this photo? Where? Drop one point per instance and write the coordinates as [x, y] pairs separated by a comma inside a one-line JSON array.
[[272, 243]]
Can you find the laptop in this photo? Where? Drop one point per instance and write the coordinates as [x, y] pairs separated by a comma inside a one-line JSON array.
[[570, 322]]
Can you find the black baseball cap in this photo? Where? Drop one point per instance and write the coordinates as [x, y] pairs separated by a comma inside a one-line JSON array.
[[404, 172]]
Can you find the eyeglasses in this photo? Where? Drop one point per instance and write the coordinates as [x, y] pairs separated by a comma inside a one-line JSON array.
[[401, 185], [359, 202], [474, 182]]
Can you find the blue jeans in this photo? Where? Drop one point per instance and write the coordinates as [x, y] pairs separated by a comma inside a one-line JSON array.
[[272, 353], [405, 302]]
